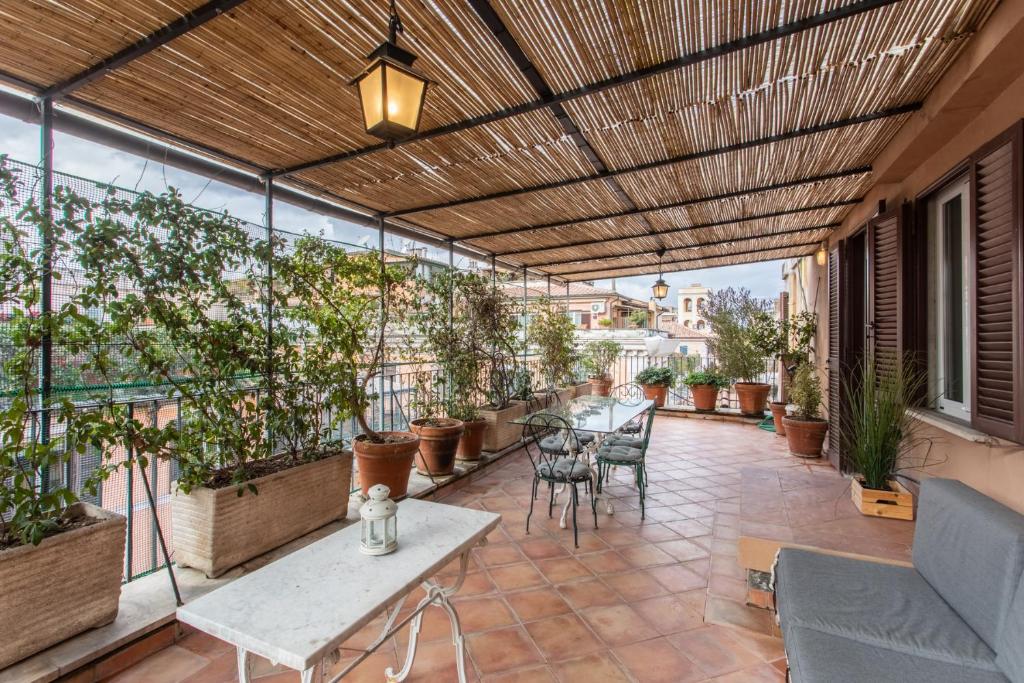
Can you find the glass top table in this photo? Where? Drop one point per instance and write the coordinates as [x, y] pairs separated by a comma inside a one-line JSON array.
[[600, 414]]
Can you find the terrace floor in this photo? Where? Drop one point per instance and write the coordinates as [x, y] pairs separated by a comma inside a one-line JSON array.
[[659, 600]]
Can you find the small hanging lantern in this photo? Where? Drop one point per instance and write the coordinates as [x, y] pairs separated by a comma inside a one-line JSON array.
[[821, 256], [660, 287], [379, 517], [391, 92]]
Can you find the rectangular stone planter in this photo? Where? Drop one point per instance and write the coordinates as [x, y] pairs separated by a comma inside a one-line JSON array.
[[217, 529], [500, 434], [67, 584], [584, 389]]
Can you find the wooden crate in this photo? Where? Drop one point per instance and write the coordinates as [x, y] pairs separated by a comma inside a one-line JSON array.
[[897, 503]]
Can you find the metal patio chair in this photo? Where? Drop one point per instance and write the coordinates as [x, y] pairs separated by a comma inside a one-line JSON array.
[[554, 451], [627, 451], [629, 392]]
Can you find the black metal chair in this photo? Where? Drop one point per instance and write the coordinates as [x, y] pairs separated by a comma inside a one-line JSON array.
[[627, 451], [629, 392], [584, 438], [554, 451]]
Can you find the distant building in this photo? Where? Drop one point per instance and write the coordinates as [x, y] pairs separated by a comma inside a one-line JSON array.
[[588, 305], [691, 306]]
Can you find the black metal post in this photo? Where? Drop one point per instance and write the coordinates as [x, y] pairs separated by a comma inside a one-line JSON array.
[[451, 309], [524, 316], [383, 320], [156, 518], [46, 284], [269, 213]]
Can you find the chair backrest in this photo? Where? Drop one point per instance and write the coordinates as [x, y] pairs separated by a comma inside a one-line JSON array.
[[648, 424], [970, 549], [630, 391], [557, 435]]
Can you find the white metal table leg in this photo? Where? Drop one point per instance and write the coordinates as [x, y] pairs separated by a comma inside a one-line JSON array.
[[244, 658]]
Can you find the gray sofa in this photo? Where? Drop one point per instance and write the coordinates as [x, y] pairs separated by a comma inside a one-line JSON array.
[[956, 616]]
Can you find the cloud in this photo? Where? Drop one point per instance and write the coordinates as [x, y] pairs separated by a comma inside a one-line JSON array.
[[762, 279]]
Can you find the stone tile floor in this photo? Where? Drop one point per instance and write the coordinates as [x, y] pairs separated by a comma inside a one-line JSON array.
[[636, 600]]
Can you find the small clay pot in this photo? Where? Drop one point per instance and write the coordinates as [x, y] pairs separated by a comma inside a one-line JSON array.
[[753, 397], [657, 393], [705, 397], [472, 441], [778, 412], [602, 386], [805, 437], [439, 441], [387, 463]]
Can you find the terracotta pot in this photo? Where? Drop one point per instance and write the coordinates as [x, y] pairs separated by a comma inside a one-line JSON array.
[[705, 397], [805, 436], [67, 584], [439, 441], [657, 393], [472, 441], [778, 412], [602, 386], [387, 463], [501, 433], [753, 397], [217, 529]]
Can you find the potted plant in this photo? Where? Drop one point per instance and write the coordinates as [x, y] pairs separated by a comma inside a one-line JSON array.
[[439, 435], [705, 386], [655, 381], [638, 319], [793, 340], [48, 537], [605, 323], [805, 430], [879, 434], [738, 345], [552, 332], [597, 360]]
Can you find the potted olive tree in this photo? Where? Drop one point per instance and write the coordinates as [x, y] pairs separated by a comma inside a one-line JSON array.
[[735, 317], [880, 434], [353, 302], [805, 430], [552, 332], [792, 341], [598, 357], [705, 386], [655, 382], [60, 558]]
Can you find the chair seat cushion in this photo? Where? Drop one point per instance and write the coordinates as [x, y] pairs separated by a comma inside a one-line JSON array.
[[631, 428], [559, 443], [620, 454], [586, 437], [818, 657], [564, 469], [875, 604], [622, 440]]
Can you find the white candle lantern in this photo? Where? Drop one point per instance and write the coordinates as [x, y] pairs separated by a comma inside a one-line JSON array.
[[379, 516]]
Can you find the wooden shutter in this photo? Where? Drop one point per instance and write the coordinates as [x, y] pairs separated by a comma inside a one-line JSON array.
[[996, 378], [835, 372], [885, 287]]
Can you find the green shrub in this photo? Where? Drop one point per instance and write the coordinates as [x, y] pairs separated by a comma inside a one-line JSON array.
[[656, 376], [805, 391], [710, 376], [599, 356]]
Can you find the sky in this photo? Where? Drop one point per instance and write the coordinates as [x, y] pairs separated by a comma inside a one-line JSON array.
[[20, 141]]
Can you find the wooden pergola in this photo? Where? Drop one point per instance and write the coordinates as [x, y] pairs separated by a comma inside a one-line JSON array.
[[577, 138]]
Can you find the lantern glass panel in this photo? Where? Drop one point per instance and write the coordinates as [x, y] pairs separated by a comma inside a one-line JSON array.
[[404, 95], [370, 91]]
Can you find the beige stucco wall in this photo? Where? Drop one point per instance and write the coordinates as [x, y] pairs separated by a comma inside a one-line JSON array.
[[980, 97]]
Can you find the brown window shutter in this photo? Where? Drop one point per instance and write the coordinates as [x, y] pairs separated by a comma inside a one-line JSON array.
[[835, 363], [997, 381], [885, 285]]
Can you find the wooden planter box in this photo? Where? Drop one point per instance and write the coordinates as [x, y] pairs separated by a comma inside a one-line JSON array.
[[897, 503], [500, 434], [584, 389], [67, 584], [217, 529]]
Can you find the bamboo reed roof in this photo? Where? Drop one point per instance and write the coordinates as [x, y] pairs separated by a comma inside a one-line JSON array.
[[576, 137]]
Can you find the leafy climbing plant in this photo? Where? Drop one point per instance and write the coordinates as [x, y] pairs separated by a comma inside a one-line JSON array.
[[552, 332]]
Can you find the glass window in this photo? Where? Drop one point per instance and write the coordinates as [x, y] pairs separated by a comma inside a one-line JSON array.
[[949, 300], [688, 305]]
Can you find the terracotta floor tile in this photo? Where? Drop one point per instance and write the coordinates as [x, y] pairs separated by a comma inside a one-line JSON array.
[[677, 578], [588, 593], [536, 604], [436, 662], [476, 583], [635, 585], [619, 624], [599, 667], [562, 569], [502, 650], [683, 550], [589, 541], [370, 670], [563, 637], [480, 614], [497, 555], [204, 645], [619, 538], [516, 576], [170, 665], [221, 669], [762, 673], [668, 614], [606, 562], [656, 661], [542, 549], [641, 556], [533, 674], [711, 648]]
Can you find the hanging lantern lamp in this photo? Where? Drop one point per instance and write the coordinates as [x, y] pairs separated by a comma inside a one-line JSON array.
[[660, 287]]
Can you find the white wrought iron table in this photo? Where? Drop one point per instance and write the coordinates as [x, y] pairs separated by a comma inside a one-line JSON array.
[[298, 610]]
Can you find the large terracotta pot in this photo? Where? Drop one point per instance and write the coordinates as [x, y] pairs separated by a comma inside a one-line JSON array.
[[805, 436], [387, 463], [705, 396], [472, 441], [217, 529], [67, 584], [753, 397], [439, 441], [778, 412], [657, 393], [602, 386], [501, 433]]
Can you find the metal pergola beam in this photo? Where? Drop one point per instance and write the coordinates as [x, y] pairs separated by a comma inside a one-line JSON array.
[[699, 245], [672, 205], [692, 156], [143, 46], [677, 231], [615, 272], [746, 42]]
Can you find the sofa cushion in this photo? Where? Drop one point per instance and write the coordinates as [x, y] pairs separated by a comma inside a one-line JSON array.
[[877, 604], [1010, 646], [818, 657], [971, 550]]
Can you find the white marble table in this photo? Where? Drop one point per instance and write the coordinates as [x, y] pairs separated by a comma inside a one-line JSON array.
[[298, 610]]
